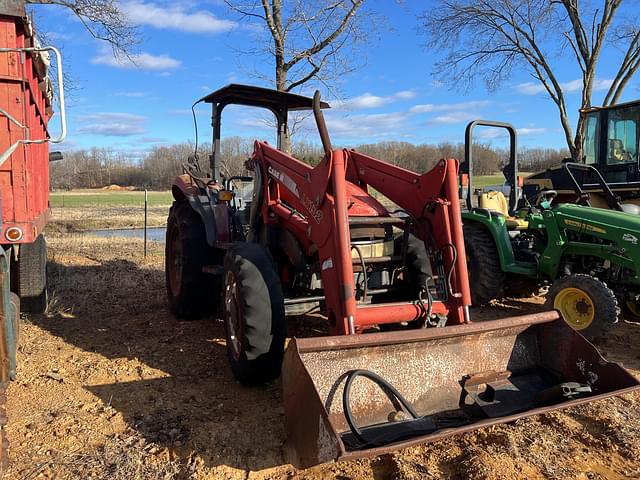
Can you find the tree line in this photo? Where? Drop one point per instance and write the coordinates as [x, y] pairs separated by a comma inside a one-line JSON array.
[[101, 167]]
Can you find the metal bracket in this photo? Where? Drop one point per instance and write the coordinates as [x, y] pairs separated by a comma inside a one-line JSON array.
[[63, 119]]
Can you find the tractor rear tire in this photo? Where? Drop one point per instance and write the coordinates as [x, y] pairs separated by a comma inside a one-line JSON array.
[[586, 303], [29, 276], [192, 294], [253, 314], [486, 278]]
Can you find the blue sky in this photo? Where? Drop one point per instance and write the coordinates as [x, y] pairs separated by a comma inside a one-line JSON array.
[[191, 48]]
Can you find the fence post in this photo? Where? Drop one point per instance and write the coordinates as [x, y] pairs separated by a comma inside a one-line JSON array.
[[146, 203]]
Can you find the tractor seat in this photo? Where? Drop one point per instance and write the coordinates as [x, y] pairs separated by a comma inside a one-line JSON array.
[[496, 202]]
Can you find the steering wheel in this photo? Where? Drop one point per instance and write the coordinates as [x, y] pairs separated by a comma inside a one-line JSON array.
[[545, 197]]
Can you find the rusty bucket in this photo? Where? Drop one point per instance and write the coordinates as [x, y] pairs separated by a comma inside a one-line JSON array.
[[361, 396]]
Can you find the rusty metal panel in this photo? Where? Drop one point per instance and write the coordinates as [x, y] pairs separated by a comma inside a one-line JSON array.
[[14, 8], [523, 357]]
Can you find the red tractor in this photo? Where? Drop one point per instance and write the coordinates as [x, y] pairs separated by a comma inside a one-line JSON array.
[[26, 97], [384, 278]]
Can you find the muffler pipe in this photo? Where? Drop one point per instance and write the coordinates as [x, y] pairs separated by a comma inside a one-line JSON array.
[[322, 126]]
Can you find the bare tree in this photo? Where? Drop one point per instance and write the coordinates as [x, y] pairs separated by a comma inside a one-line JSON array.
[[103, 19], [309, 39], [487, 39]]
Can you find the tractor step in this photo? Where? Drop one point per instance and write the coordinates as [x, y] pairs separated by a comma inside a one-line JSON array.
[[448, 380]]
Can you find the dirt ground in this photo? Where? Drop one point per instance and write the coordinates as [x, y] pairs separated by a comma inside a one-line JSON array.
[[111, 387]]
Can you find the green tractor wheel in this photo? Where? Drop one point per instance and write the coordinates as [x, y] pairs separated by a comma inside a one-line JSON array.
[[486, 277], [586, 304]]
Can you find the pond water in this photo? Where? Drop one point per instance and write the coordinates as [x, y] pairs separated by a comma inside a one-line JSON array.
[[155, 234]]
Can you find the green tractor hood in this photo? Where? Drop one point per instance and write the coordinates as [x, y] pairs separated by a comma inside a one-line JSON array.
[[596, 219]]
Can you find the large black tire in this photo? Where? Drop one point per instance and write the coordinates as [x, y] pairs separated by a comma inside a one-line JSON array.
[[486, 277], [253, 314], [29, 274], [192, 294], [586, 303]]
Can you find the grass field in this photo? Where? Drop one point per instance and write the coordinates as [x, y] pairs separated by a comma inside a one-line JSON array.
[[496, 179], [100, 198]]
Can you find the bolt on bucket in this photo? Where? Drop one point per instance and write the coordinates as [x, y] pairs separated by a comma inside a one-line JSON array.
[[365, 395]]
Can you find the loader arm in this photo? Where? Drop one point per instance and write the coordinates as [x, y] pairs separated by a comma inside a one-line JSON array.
[[431, 199], [313, 203]]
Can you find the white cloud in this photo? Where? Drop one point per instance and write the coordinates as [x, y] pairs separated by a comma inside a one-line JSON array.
[[405, 94], [447, 107], [488, 133], [572, 86], [530, 88], [111, 124], [371, 126], [453, 117], [142, 61], [175, 18], [531, 131], [368, 100]]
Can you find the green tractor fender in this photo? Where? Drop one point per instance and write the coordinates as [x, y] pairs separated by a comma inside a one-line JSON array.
[[496, 225]]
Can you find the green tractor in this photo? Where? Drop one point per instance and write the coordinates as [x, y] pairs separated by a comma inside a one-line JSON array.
[[589, 256]]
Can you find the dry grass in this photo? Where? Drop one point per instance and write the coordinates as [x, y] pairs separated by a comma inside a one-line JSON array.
[[118, 458], [75, 219]]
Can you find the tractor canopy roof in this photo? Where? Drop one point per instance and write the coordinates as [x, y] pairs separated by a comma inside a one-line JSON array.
[[631, 104], [260, 97]]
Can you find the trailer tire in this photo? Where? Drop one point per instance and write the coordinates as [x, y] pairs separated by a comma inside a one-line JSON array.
[[486, 278], [253, 314], [586, 303], [29, 275], [192, 294]]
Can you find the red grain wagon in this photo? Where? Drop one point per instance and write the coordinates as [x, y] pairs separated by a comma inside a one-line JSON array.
[[26, 96]]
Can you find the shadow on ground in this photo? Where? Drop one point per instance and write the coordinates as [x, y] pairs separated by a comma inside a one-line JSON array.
[[187, 400], [118, 310]]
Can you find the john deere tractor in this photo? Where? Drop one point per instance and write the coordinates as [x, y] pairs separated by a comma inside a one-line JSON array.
[[589, 256]]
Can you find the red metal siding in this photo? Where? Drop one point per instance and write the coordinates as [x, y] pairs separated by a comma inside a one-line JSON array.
[[24, 177]]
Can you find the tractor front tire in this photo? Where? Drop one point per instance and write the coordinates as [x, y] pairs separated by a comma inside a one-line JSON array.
[[29, 276], [192, 294], [253, 314], [486, 278], [587, 305]]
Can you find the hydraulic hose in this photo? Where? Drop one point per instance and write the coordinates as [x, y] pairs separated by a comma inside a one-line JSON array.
[[389, 390]]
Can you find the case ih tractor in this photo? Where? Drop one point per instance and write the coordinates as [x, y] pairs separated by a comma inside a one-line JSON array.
[[590, 256], [25, 108], [403, 362]]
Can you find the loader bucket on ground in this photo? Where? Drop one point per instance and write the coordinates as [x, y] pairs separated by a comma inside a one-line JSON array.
[[455, 379]]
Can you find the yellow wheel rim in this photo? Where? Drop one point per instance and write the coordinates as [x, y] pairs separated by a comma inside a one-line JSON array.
[[633, 307], [576, 307]]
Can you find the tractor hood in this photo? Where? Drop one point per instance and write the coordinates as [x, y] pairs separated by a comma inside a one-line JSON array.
[[601, 216]]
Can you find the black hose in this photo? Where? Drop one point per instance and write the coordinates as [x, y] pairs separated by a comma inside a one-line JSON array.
[[389, 390]]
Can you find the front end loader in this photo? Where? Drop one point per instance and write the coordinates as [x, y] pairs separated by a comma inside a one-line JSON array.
[[403, 363]]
